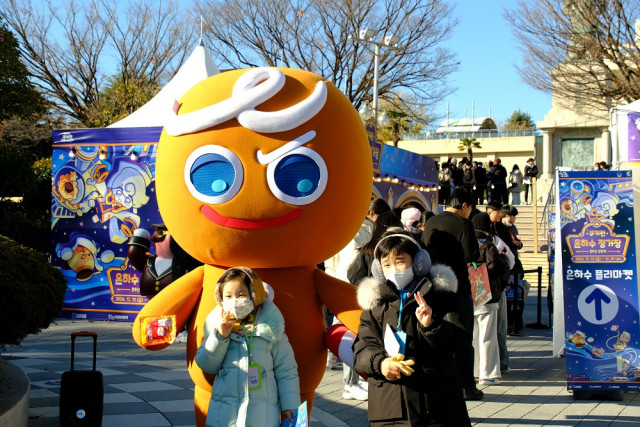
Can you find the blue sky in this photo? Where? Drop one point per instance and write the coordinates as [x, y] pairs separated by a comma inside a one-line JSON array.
[[487, 75]]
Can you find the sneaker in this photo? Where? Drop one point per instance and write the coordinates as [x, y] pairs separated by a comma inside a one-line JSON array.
[[354, 392], [182, 337], [472, 393], [333, 362], [505, 370], [489, 381], [363, 385]]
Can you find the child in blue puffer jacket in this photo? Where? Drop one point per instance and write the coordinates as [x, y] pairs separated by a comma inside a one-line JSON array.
[[246, 347]]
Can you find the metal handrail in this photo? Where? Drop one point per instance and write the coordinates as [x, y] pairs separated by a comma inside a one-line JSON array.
[[551, 199], [429, 136], [538, 324]]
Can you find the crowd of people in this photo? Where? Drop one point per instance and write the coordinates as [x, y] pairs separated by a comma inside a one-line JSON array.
[[421, 342], [492, 184], [411, 270]]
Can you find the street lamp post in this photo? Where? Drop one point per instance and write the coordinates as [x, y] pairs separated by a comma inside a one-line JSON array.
[[391, 42]]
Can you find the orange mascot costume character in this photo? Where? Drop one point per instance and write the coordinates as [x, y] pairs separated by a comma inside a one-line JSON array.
[[268, 168]]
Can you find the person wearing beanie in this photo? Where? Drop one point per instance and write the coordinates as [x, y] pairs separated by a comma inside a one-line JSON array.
[[245, 341], [485, 329]]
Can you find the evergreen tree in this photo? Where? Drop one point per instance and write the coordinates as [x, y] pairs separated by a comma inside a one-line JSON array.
[[519, 121], [18, 97]]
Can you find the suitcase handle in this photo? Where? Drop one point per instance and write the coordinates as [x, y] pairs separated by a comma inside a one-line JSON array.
[[93, 335]]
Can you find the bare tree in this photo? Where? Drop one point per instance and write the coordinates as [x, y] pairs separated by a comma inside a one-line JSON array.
[[313, 35], [586, 52], [72, 50]]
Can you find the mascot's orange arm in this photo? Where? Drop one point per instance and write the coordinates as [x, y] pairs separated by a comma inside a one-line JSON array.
[[179, 298], [339, 297]]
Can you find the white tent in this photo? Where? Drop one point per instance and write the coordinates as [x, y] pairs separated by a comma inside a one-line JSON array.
[[620, 138], [196, 68]]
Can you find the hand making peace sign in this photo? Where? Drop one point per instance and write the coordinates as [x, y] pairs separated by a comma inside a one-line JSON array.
[[423, 312]]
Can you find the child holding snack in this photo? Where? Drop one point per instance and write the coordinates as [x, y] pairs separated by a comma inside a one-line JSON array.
[[409, 329], [246, 347]]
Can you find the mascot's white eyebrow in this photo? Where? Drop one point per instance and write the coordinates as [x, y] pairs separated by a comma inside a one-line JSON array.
[[265, 159]]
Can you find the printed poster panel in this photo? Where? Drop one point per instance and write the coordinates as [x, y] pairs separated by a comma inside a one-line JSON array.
[[101, 193], [602, 334], [634, 137]]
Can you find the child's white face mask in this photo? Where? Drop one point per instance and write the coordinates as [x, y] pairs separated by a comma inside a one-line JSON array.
[[238, 307], [400, 278]]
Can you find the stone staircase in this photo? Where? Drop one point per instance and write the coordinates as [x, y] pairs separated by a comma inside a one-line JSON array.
[[530, 257]]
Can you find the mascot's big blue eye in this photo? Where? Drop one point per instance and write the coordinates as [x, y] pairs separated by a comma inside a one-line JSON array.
[[213, 174], [298, 177]]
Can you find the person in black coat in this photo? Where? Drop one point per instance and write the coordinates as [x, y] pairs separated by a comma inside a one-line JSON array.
[[417, 385], [530, 172], [502, 180], [480, 175], [497, 182], [450, 240]]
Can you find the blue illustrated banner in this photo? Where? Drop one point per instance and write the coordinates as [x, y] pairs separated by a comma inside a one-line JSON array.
[[103, 189], [602, 334]]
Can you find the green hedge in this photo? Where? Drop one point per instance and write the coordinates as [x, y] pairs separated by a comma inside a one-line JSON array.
[[32, 292]]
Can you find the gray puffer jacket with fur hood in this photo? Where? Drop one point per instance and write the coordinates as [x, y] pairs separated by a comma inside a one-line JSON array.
[[432, 394]]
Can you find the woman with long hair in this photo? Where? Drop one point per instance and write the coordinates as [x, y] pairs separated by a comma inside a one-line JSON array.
[[361, 265]]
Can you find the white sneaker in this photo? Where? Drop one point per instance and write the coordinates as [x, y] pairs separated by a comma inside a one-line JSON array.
[[363, 385], [353, 392], [182, 337], [489, 381]]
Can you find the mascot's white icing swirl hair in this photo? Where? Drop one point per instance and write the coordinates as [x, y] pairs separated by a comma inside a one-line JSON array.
[[252, 88]]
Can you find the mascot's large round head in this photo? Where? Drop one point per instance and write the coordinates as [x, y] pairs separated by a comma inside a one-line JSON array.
[[266, 167]]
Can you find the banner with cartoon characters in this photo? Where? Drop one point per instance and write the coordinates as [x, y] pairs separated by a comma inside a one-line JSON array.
[[602, 330], [102, 191]]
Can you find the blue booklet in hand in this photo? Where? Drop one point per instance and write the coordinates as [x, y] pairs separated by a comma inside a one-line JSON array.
[[300, 418]]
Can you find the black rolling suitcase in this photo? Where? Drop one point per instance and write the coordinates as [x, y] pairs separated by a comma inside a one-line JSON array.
[[81, 392]]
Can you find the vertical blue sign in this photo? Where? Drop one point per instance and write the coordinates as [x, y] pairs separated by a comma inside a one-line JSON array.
[[602, 331]]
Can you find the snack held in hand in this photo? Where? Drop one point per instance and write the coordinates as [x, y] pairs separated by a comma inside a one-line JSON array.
[[158, 330]]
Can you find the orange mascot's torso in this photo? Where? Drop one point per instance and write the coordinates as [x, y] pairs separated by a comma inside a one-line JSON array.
[[267, 168]]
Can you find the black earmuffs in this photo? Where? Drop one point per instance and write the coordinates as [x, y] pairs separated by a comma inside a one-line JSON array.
[[421, 260]]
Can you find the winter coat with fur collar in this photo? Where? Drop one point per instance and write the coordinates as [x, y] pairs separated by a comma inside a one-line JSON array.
[[432, 394], [232, 403]]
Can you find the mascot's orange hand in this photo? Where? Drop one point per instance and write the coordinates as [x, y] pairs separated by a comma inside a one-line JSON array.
[[226, 324]]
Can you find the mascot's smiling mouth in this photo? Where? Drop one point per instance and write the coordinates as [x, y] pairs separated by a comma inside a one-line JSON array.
[[224, 221]]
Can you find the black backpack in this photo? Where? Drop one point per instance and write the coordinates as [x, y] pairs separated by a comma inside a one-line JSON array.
[[468, 176]]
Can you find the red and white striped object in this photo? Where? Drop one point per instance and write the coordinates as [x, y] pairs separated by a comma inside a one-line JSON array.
[[339, 339]]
